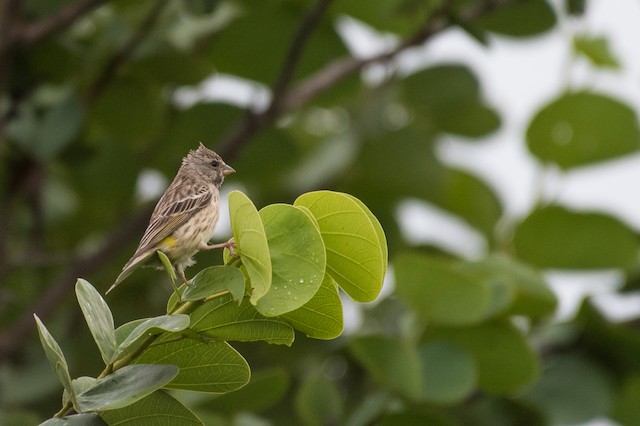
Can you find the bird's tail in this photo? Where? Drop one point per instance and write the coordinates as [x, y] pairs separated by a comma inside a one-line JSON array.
[[132, 265]]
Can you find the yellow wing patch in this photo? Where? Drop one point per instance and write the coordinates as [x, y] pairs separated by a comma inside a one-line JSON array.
[[169, 242]]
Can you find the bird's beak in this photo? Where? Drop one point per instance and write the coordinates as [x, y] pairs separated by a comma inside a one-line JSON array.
[[227, 170]]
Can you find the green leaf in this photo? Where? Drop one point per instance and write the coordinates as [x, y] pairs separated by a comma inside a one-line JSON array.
[[222, 319], [382, 239], [80, 385], [99, 319], [583, 128], [504, 361], [56, 358], [448, 97], [265, 389], [318, 402], [125, 386], [168, 267], [529, 293], [204, 366], [156, 408], [151, 326], [522, 19], [321, 317], [553, 237], [439, 291], [251, 243], [597, 50], [391, 362], [86, 419], [448, 372], [572, 390], [298, 259], [356, 258], [213, 280]]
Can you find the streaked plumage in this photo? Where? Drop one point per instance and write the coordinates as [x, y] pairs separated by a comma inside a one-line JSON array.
[[186, 215]]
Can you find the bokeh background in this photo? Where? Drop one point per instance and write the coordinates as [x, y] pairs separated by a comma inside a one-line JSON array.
[[496, 141]]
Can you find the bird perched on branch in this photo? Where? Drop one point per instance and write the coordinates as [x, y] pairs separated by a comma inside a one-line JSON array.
[[186, 215]]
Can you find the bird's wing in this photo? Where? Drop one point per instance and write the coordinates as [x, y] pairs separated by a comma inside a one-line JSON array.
[[173, 216]]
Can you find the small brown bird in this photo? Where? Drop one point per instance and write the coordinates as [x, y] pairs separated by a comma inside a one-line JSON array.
[[186, 215]]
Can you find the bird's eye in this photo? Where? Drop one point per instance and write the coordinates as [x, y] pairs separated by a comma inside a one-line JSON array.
[[215, 163]]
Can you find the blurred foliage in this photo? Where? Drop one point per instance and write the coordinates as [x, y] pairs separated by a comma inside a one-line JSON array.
[[87, 112]]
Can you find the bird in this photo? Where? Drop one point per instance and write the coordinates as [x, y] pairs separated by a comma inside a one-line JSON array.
[[186, 215]]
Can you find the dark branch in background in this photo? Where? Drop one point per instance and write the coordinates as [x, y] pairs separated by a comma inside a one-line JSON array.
[[254, 122], [305, 91], [125, 53], [38, 31]]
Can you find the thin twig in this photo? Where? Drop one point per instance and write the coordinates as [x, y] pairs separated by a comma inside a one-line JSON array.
[[254, 122], [43, 29]]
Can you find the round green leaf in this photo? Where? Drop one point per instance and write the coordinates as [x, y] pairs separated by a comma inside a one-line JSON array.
[[382, 238], [448, 372], [521, 19], [99, 319], [504, 361], [125, 386], [156, 408], [438, 291], [553, 237], [251, 243], [204, 366], [321, 317], [298, 259], [390, 361], [356, 258], [582, 128], [222, 319]]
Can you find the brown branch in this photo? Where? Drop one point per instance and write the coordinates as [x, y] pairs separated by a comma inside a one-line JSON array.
[[254, 122], [40, 30], [125, 52]]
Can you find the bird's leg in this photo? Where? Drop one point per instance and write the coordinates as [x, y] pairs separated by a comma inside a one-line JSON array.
[[229, 245], [180, 273]]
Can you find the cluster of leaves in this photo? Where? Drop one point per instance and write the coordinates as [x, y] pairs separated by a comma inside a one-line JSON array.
[[291, 261]]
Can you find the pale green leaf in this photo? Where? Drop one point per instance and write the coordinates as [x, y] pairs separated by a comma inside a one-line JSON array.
[[554, 237], [99, 319], [158, 408], [321, 317], [298, 259], [204, 366], [222, 319], [125, 386], [151, 326], [56, 358], [251, 243], [356, 258], [582, 128]]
